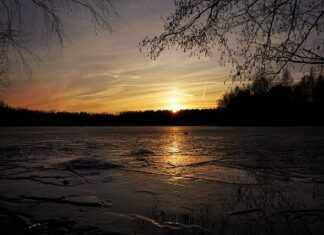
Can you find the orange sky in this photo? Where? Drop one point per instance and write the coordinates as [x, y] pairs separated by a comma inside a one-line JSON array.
[[107, 73]]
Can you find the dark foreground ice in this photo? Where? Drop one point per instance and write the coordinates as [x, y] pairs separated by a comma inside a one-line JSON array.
[[161, 180]]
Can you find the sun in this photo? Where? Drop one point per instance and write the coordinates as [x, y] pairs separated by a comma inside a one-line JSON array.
[[174, 104], [175, 108]]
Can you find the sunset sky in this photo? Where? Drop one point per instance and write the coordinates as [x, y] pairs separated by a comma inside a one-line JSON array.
[[105, 72]]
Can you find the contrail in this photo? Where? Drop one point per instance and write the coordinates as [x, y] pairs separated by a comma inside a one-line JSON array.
[[203, 96], [165, 84]]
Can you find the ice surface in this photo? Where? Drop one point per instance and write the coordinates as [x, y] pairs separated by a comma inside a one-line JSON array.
[[161, 180]]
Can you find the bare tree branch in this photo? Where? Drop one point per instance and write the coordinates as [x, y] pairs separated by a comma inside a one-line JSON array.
[[15, 32], [252, 35]]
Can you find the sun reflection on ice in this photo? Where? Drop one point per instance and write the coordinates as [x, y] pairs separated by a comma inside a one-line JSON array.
[[175, 154], [181, 163]]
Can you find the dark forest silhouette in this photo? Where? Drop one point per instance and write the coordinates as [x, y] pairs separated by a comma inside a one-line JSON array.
[[276, 103], [261, 103]]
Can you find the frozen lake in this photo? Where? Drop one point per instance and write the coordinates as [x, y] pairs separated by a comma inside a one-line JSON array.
[[161, 180]]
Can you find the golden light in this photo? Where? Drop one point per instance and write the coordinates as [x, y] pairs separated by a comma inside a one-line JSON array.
[[174, 105], [175, 108]]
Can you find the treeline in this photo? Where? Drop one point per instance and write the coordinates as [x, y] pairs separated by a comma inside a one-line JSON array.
[[263, 102], [263, 91], [280, 101], [12, 117]]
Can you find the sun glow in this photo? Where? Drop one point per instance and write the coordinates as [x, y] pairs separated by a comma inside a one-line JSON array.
[[174, 105], [175, 108]]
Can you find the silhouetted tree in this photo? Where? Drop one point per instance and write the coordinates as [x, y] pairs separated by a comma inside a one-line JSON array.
[[250, 34], [319, 90], [226, 99], [2, 104], [238, 98], [261, 83], [280, 96], [19, 18], [286, 78], [307, 86]]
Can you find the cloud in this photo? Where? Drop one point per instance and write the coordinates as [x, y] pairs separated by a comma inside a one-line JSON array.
[[106, 72]]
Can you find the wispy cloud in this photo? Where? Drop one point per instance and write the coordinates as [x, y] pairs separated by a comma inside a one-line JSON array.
[[106, 72]]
